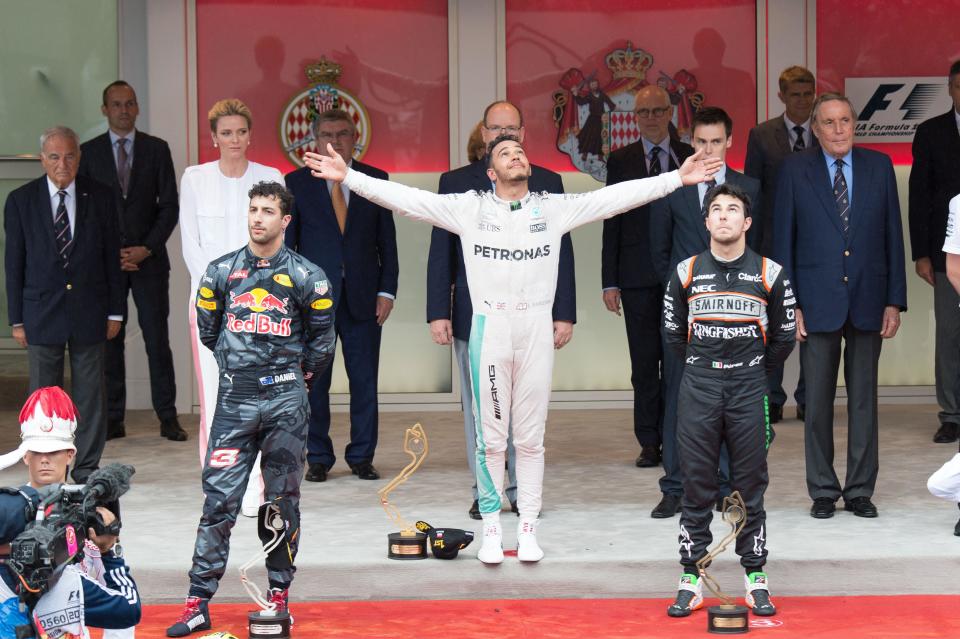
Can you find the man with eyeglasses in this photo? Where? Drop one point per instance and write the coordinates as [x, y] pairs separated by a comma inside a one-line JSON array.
[[629, 278], [450, 316], [354, 241]]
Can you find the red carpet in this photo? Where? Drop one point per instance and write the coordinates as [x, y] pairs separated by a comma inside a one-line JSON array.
[[798, 617]]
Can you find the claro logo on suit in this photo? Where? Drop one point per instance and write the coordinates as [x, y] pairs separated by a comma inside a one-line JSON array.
[[891, 109]]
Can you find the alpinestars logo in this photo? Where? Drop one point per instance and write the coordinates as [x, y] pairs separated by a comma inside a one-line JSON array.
[[494, 394], [685, 542], [758, 542]]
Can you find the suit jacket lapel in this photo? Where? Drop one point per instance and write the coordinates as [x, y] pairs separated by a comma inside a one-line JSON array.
[[691, 199], [782, 138], [80, 220], [822, 183], [46, 212], [863, 183]]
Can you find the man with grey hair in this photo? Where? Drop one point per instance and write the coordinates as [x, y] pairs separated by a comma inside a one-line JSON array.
[[629, 277], [354, 241], [64, 288], [838, 234]]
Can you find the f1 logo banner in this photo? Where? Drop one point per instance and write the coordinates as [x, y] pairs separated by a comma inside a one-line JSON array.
[[891, 109]]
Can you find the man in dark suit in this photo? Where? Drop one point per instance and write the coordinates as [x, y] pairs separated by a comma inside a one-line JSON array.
[[354, 241], [838, 234], [677, 231], [64, 288], [934, 181], [628, 275], [449, 315], [139, 170], [767, 145]]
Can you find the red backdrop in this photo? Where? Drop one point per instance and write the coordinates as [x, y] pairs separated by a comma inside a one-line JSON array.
[[866, 38], [394, 57], [715, 40]]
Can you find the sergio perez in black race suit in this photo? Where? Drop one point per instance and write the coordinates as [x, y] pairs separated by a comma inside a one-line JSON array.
[[731, 322]]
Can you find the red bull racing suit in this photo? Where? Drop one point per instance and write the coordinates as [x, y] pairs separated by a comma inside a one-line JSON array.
[[269, 323], [511, 254], [732, 322]]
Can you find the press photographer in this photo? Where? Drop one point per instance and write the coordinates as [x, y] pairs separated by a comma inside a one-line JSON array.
[[61, 569]]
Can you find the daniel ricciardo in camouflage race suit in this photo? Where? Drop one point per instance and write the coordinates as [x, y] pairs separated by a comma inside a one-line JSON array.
[[267, 314]]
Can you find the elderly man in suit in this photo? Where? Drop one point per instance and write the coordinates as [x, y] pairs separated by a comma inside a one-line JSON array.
[[838, 234], [629, 277], [355, 243], [767, 145], [934, 181], [677, 231], [450, 316], [139, 170], [64, 288]]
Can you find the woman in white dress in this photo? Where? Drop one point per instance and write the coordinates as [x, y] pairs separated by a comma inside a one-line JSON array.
[[213, 222]]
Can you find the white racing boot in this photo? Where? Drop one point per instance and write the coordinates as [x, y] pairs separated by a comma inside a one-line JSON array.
[[491, 552], [527, 547]]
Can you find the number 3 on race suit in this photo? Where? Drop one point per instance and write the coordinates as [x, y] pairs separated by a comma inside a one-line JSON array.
[[224, 457]]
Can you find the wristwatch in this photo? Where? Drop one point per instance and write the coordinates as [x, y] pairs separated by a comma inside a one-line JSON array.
[[117, 550]]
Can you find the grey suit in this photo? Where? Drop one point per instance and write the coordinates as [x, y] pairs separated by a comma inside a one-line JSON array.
[[677, 231]]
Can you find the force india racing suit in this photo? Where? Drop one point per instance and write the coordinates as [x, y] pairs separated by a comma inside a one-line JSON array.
[[268, 321], [732, 322], [511, 252]]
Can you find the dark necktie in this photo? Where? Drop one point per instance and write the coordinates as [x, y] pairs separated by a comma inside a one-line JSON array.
[[709, 184], [842, 197], [654, 161], [799, 145], [123, 166], [61, 227]]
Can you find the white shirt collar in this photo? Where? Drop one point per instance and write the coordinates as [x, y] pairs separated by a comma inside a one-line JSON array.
[[956, 116], [71, 189], [790, 123], [129, 136]]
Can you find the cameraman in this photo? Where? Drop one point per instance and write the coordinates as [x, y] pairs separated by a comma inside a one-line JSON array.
[[47, 425]]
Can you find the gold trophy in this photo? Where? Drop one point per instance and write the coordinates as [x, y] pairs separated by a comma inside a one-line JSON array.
[[408, 543], [728, 617]]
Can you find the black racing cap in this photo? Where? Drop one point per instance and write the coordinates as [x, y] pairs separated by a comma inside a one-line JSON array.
[[446, 543]]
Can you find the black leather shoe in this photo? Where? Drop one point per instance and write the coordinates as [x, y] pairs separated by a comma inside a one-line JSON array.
[[946, 433], [316, 472], [667, 507], [514, 509], [861, 507], [823, 508], [474, 511], [801, 411], [649, 457], [364, 470], [116, 430], [776, 413], [956, 529], [170, 428]]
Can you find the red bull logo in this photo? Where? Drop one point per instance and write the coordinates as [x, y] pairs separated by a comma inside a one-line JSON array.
[[259, 300], [259, 324]]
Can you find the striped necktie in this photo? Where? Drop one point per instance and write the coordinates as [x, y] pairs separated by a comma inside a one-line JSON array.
[[842, 197], [61, 227], [799, 145]]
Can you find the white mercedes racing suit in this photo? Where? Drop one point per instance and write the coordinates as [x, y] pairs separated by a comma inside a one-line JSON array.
[[511, 253]]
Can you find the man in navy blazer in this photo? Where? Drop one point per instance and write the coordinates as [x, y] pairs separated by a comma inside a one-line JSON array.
[[64, 289], [449, 315], [628, 276], [838, 233], [144, 187], [354, 241], [678, 231], [934, 182]]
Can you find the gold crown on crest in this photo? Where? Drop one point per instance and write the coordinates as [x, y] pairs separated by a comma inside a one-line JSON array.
[[629, 62], [324, 71]]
